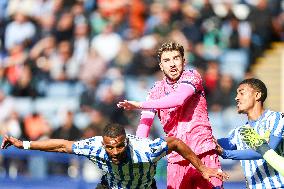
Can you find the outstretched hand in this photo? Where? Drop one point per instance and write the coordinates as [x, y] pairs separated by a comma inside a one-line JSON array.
[[213, 172], [9, 141], [129, 105]]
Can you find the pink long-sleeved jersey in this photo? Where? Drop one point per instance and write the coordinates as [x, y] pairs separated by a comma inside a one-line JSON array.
[[188, 121]]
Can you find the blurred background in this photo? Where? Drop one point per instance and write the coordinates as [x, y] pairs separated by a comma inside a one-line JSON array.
[[65, 64]]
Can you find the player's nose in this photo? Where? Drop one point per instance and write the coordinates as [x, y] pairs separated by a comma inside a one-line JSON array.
[[115, 151]]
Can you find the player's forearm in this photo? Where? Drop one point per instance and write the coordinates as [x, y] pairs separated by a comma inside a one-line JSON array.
[[146, 121], [189, 155], [174, 99], [182, 149], [52, 145], [241, 155]]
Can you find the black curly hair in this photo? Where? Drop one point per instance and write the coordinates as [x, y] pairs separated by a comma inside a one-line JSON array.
[[257, 85], [114, 130]]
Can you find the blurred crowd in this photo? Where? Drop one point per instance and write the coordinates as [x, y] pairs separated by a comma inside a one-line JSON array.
[[65, 64]]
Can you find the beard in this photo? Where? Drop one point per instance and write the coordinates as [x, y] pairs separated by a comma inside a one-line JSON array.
[[173, 78]]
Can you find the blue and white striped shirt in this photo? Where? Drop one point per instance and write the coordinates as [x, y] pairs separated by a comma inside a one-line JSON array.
[[139, 169], [258, 173]]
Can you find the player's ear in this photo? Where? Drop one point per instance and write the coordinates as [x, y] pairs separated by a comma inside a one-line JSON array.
[[258, 95], [161, 67]]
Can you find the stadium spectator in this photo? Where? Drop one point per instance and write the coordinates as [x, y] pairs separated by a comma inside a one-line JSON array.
[[23, 24], [25, 86], [223, 95], [36, 126], [6, 106], [68, 131], [64, 67], [107, 43]]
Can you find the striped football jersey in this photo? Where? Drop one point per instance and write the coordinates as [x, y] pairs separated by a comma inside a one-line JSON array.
[[139, 168]]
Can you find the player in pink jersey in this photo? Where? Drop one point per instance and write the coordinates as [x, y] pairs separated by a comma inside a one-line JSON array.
[[180, 104]]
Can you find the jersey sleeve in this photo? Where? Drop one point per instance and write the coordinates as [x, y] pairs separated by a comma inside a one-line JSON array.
[[174, 99], [158, 148], [87, 146], [278, 124], [146, 121], [233, 137], [193, 78], [226, 144], [155, 92]]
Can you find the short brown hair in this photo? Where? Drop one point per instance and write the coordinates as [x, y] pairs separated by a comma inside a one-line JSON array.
[[170, 46]]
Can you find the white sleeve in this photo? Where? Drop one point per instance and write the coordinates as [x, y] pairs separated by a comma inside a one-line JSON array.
[[87, 146], [158, 148]]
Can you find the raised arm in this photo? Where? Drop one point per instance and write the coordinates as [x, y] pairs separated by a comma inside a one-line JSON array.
[[174, 99], [180, 147], [146, 121], [50, 145]]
